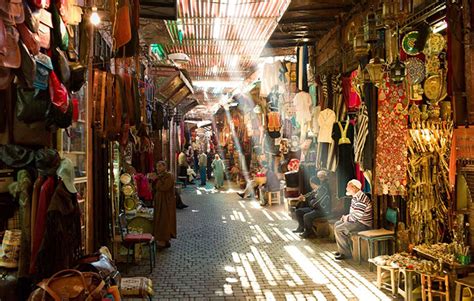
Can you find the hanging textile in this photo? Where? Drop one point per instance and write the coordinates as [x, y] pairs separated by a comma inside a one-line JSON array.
[[314, 120], [343, 135], [326, 121], [370, 99], [361, 133], [314, 94], [391, 156], [339, 106], [273, 79], [302, 72]]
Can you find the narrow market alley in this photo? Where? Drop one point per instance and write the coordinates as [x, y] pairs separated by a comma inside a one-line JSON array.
[[230, 248]]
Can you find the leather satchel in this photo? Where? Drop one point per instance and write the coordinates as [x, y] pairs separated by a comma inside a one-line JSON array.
[[122, 26], [78, 76], [30, 107], [56, 118], [32, 18], [71, 285], [61, 66], [44, 30], [11, 57], [31, 40], [12, 10], [27, 72], [61, 36]]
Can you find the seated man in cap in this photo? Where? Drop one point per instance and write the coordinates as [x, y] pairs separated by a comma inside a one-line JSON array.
[[359, 219], [316, 204]]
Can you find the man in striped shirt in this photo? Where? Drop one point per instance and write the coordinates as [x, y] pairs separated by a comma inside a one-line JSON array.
[[358, 219]]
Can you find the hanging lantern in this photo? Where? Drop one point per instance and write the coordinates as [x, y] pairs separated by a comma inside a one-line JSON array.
[[370, 28], [376, 69], [398, 72], [360, 47]]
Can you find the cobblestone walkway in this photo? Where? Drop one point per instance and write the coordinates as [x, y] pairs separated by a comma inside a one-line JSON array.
[[233, 249]]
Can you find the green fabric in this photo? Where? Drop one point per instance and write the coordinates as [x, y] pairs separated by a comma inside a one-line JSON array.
[[312, 92], [218, 167]]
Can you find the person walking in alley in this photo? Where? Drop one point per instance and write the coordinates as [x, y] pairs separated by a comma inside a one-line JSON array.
[[203, 168], [164, 226], [359, 219], [218, 167], [318, 204]]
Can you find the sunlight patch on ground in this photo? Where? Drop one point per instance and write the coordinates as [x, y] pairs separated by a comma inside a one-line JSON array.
[[306, 265]]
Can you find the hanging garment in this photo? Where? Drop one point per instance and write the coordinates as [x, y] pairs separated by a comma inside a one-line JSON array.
[[391, 157], [273, 79], [338, 104], [326, 121], [370, 93], [302, 102], [361, 132], [314, 120], [62, 234], [302, 72], [343, 133], [47, 190], [314, 94]]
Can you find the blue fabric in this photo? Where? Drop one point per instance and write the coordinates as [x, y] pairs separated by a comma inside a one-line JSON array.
[[203, 174]]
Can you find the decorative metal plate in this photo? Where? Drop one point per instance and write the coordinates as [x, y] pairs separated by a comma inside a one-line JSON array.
[[415, 70], [125, 178], [432, 65], [408, 43], [434, 44]]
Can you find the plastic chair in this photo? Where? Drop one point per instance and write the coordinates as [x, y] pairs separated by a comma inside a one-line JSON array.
[[129, 240], [380, 235]]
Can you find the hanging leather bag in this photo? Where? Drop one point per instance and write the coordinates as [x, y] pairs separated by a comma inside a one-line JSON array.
[[71, 285], [10, 56], [60, 33], [57, 119], [28, 38], [39, 3], [32, 17], [44, 30], [58, 92], [122, 26], [27, 72], [12, 11], [31, 107], [61, 66], [43, 67]]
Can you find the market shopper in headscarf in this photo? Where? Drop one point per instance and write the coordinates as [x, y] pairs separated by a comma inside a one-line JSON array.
[[218, 167], [164, 206]]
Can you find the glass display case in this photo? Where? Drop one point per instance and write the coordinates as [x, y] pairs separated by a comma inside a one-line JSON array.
[[72, 145]]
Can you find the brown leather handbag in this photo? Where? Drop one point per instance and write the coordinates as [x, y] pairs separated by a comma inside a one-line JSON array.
[[122, 26], [44, 31], [11, 58], [28, 38], [70, 285]]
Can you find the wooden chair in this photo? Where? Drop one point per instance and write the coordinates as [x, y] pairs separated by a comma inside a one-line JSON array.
[[463, 283], [129, 240], [380, 235], [382, 272], [434, 286]]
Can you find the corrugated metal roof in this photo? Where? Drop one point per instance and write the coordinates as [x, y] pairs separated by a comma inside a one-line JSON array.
[[223, 38]]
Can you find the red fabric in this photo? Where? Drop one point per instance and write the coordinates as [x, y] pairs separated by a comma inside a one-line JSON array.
[[47, 190], [143, 187], [360, 175], [136, 238], [75, 109], [58, 92]]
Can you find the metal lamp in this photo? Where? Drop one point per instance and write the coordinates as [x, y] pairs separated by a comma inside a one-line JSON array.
[[370, 28], [398, 72], [360, 46], [375, 68]]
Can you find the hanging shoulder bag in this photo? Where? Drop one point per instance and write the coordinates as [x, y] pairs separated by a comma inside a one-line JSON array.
[[44, 30], [31, 107]]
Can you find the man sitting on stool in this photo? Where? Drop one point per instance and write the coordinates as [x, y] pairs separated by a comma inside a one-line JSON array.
[[358, 219], [318, 203]]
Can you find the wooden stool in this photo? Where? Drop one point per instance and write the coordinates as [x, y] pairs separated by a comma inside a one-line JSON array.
[[405, 287], [273, 197], [427, 283], [392, 285], [321, 227], [467, 282]]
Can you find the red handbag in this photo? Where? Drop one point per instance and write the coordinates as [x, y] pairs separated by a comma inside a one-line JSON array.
[[58, 92]]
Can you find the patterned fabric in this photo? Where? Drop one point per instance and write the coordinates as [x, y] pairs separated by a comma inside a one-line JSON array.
[[392, 124], [361, 132]]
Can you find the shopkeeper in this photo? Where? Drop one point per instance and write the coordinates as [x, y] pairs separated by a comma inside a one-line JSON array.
[[359, 219], [164, 206]]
